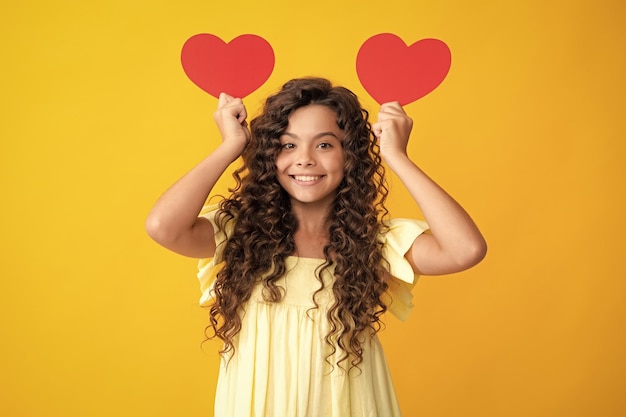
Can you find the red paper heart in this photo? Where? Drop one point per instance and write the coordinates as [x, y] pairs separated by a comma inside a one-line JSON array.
[[236, 68], [392, 71]]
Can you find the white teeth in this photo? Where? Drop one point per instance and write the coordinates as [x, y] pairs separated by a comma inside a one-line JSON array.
[[306, 178]]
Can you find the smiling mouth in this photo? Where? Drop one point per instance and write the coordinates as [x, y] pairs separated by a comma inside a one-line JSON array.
[[306, 178]]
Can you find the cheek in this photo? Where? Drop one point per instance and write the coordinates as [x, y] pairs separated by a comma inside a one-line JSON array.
[[280, 163], [341, 163]]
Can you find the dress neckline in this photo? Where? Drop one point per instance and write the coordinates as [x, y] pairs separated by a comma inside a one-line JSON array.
[[304, 258]]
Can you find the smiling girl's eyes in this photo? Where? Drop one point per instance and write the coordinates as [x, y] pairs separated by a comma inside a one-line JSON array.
[[323, 145]]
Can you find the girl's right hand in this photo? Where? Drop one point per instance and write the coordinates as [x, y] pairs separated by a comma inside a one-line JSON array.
[[230, 118]]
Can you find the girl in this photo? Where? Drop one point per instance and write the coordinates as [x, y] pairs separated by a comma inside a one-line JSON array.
[[298, 264]]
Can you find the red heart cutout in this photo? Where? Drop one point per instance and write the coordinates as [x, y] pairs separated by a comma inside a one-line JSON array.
[[390, 70], [236, 68]]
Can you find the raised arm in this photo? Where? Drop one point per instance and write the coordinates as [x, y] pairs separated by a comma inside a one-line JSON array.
[[173, 221], [454, 242]]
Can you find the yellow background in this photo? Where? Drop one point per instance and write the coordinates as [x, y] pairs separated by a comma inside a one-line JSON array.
[[97, 118]]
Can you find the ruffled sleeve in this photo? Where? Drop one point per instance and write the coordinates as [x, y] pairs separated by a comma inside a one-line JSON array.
[[209, 267], [397, 241]]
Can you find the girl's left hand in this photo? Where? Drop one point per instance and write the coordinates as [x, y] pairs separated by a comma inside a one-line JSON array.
[[392, 129]]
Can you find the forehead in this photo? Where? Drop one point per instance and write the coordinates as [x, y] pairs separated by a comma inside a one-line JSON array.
[[313, 118]]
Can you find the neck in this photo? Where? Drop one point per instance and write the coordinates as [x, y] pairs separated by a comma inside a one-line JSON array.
[[312, 233], [311, 219]]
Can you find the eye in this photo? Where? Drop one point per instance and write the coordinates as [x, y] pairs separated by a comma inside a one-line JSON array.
[[288, 146], [324, 145]]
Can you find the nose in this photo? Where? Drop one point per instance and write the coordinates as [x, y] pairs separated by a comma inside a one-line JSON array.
[[305, 159]]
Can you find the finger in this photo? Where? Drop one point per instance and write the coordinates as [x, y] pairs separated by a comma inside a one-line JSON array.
[[377, 129], [383, 115], [223, 100], [388, 115], [246, 130], [395, 104], [393, 107], [242, 115], [233, 106]]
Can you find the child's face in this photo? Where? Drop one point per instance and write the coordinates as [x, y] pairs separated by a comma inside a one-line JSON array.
[[310, 165]]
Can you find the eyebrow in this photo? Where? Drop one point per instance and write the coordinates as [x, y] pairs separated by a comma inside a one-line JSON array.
[[319, 135]]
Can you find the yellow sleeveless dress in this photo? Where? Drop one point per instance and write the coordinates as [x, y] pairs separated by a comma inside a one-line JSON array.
[[279, 367]]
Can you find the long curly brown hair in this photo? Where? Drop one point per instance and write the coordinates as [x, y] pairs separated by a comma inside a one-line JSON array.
[[264, 227]]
